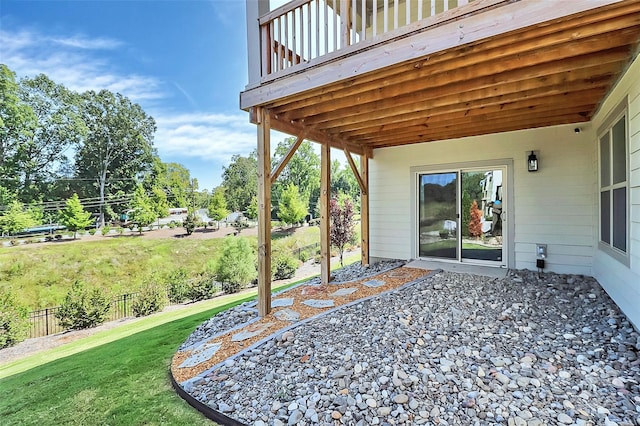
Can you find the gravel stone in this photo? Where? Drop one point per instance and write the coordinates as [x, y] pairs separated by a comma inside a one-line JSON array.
[[452, 349]]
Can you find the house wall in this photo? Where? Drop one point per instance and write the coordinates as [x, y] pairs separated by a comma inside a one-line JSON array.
[[620, 281], [556, 206]]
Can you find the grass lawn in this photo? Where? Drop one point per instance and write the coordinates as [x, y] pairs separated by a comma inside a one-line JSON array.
[[124, 382], [115, 377]]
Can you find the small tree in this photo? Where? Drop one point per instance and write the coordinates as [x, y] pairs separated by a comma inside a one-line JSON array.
[[218, 205], [252, 210], [475, 222], [341, 225], [190, 222], [292, 209], [143, 213], [16, 219], [74, 216], [236, 266]]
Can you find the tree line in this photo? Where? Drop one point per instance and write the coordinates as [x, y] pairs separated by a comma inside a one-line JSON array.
[[96, 148]]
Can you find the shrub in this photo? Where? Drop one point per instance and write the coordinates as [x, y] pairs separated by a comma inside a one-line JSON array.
[[92, 231], [172, 224], [83, 307], [235, 267], [304, 256], [177, 285], [14, 320], [202, 287], [152, 298], [105, 230], [283, 267]]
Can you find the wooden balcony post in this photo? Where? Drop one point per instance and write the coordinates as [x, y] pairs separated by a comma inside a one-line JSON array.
[[325, 222], [264, 212], [364, 209], [254, 10], [345, 25]]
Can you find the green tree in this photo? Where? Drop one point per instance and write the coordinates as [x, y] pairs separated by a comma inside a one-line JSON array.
[[74, 216], [159, 202], [341, 226], [218, 205], [190, 222], [252, 210], [176, 182], [143, 212], [240, 179], [291, 208], [302, 170], [16, 219], [343, 181], [57, 126], [236, 266], [118, 146], [17, 123]]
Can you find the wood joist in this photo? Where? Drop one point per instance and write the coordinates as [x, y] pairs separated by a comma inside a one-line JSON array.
[[555, 72]]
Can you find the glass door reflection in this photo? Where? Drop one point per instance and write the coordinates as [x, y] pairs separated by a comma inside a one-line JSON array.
[[438, 215]]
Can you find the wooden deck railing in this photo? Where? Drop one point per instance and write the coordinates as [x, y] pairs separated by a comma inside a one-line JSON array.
[[302, 30]]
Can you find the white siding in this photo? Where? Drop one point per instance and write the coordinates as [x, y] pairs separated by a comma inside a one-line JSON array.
[[556, 206], [622, 282]]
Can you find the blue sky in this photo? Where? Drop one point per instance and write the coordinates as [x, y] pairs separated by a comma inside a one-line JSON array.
[[184, 62]]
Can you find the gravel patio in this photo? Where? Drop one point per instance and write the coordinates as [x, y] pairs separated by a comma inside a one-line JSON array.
[[451, 349]]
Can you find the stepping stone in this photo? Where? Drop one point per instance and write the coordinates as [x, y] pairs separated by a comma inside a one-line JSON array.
[[285, 301], [204, 353], [250, 332], [344, 292], [287, 315], [317, 303], [397, 274], [373, 283]]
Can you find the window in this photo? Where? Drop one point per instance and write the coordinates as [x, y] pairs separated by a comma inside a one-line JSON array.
[[614, 188]]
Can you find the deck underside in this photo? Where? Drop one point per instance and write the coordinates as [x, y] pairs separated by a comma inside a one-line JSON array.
[[554, 72]]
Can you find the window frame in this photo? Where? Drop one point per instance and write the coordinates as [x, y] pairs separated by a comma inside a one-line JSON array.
[[606, 130]]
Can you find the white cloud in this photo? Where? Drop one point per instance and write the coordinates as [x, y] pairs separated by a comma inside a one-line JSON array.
[[76, 61], [82, 42], [214, 137]]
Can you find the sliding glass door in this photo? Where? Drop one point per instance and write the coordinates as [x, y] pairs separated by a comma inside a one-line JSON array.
[[461, 214], [438, 215]]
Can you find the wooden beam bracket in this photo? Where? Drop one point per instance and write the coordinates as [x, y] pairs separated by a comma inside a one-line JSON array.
[[287, 157]]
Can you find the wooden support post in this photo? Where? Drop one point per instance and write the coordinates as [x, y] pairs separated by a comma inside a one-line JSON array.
[[325, 222], [264, 212], [364, 209]]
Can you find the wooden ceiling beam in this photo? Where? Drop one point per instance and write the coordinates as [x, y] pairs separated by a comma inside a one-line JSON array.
[[442, 97], [573, 69], [536, 98], [492, 124], [559, 111], [500, 48]]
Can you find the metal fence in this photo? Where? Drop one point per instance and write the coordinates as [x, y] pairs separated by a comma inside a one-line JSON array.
[[44, 321], [309, 250]]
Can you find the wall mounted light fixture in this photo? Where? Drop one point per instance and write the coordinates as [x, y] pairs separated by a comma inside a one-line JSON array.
[[532, 162]]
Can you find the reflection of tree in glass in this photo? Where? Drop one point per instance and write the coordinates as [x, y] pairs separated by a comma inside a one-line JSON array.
[[475, 223]]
